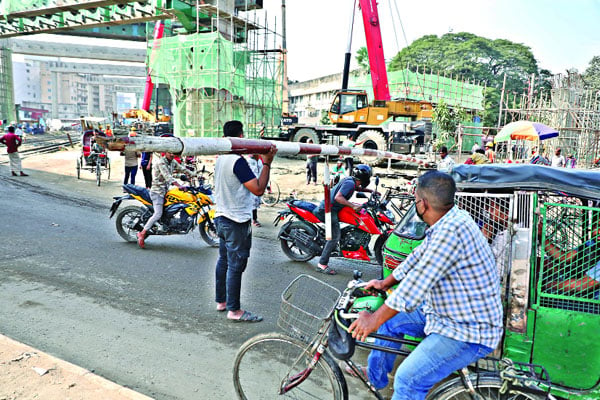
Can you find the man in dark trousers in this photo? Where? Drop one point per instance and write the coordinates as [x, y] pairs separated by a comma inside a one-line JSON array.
[[12, 142], [235, 189], [340, 195]]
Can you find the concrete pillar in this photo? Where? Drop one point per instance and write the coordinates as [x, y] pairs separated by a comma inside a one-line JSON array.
[[55, 94]]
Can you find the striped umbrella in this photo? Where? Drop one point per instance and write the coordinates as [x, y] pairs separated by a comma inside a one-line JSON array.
[[525, 130]]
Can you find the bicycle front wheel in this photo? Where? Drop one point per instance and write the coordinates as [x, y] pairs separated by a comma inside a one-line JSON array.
[[271, 195], [267, 360], [486, 386]]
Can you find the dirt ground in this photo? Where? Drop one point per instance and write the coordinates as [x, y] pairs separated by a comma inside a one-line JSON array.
[[27, 373]]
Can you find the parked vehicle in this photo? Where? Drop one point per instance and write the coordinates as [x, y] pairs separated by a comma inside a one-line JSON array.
[[183, 211], [302, 237], [552, 306]]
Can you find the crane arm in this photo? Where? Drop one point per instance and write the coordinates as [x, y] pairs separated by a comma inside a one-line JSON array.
[[381, 90]]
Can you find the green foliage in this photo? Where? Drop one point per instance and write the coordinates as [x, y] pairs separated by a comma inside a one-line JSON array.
[[447, 120], [591, 76], [478, 59], [362, 59], [324, 118]]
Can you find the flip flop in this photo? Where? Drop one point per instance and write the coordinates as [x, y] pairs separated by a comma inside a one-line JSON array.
[[347, 369], [327, 270], [221, 309], [247, 316]]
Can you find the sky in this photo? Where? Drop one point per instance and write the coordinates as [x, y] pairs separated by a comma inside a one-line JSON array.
[[562, 34]]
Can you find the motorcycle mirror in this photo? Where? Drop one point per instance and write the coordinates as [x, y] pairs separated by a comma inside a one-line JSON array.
[[376, 181], [183, 177], [356, 274]]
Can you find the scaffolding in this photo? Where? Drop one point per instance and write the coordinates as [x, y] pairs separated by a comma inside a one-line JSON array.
[[233, 72], [7, 103], [568, 107]]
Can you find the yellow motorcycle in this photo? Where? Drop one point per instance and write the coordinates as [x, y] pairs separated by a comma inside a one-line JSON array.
[[183, 211]]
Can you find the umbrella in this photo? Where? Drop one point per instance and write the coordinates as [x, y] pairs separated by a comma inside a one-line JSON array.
[[525, 130]]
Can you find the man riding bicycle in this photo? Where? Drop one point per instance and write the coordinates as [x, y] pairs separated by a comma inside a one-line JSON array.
[[448, 293]]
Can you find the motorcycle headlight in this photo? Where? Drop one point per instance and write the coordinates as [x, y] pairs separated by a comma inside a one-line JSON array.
[[390, 215]]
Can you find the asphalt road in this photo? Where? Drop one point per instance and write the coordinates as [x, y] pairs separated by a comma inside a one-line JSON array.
[[146, 319]]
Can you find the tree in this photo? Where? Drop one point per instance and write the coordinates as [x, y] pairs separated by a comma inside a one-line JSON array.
[[591, 76], [447, 119], [477, 58], [362, 59]]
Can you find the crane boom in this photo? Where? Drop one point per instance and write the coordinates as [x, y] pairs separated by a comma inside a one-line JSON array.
[[381, 89]]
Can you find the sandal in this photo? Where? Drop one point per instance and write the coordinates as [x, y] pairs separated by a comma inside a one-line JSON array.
[[326, 270], [348, 369], [247, 316], [257, 224], [219, 309]]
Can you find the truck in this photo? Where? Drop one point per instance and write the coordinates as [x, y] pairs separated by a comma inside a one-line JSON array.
[[368, 123]]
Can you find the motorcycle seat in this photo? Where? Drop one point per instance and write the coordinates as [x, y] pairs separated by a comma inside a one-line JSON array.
[[138, 190], [305, 205]]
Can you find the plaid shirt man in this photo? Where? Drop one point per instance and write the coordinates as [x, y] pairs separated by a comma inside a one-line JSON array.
[[162, 174], [453, 275]]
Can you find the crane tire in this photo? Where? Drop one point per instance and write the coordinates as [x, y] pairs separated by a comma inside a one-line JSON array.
[[372, 140], [304, 134]]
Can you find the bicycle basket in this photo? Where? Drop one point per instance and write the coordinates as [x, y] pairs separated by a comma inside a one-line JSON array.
[[305, 303]]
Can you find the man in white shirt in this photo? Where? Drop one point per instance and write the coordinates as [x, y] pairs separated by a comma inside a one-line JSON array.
[[446, 162], [558, 160]]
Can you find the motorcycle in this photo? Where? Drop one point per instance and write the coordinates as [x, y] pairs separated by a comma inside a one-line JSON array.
[[302, 237], [183, 211]]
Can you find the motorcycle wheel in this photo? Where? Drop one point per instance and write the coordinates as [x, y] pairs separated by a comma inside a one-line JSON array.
[[378, 248], [209, 232], [126, 222], [289, 247]]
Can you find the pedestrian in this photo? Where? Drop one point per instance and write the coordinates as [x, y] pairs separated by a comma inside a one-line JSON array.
[[311, 166], [108, 132], [256, 165], [448, 293], [478, 157], [350, 142], [446, 163], [235, 190], [340, 198], [490, 153], [571, 161], [131, 162], [338, 171], [162, 179], [558, 160], [146, 166], [12, 142]]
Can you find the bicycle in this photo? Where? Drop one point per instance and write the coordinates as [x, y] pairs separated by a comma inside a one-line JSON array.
[[271, 195], [299, 364]]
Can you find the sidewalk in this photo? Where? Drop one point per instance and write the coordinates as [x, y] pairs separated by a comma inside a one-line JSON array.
[[27, 373]]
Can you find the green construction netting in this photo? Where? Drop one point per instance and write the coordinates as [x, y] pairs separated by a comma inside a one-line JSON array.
[[213, 80], [571, 257], [405, 84]]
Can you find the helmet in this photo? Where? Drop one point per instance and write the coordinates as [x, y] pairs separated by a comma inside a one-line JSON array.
[[363, 173]]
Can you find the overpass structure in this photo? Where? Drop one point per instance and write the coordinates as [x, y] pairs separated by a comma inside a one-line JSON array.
[[219, 59]]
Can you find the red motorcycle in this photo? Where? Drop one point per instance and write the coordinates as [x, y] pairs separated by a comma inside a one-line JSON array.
[[302, 237]]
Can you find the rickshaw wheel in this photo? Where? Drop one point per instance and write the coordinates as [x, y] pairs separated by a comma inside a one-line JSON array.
[[487, 386], [79, 168], [98, 172]]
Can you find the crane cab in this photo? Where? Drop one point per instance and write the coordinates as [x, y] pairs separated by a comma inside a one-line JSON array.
[[351, 108]]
